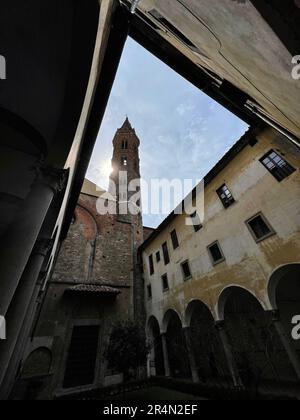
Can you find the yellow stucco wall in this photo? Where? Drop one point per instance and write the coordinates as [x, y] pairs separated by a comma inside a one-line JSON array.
[[248, 264]]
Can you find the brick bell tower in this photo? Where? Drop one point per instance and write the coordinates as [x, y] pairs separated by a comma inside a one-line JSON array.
[[126, 169], [126, 172]]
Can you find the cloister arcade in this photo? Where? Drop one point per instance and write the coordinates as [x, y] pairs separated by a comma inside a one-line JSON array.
[[245, 342]]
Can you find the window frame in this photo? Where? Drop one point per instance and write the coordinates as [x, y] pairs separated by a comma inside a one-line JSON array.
[[165, 277], [186, 278], [267, 223], [267, 155], [166, 260], [151, 264], [221, 260], [174, 239], [224, 202], [158, 257], [149, 292]]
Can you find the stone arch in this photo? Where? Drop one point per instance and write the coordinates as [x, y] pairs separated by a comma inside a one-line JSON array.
[[284, 295], [282, 273], [167, 317], [255, 343], [192, 306], [176, 345], [206, 345], [156, 348], [226, 292]]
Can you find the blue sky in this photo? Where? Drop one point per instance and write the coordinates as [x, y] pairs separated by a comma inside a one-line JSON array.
[[183, 132]]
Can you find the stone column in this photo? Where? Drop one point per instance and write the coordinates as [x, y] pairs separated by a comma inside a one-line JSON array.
[[286, 341], [166, 355], [20, 304], [20, 239], [191, 355], [220, 325]]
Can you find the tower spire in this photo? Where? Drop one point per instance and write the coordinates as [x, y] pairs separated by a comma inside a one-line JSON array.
[[126, 125]]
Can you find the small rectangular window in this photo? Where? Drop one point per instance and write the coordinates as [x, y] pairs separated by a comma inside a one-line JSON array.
[[149, 291], [166, 253], [151, 265], [225, 196], [174, 238], [260, 228], [216, 253], [186, 270], [196, 222], [158, 256], [277, 166], [165, 283]]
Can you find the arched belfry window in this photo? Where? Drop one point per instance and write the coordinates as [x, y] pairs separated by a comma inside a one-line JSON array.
[[124, 161], [124, 144]]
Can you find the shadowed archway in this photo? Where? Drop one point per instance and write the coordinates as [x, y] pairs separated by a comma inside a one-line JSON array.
[[156, 350], [177, 351], [206, 344], [284, 294], [256, 345]]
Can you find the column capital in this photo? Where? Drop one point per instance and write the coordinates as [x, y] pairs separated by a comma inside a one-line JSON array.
[[54, 178]]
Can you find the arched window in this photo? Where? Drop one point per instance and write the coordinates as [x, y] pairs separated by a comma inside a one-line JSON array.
[[124, 161], [124, 144]]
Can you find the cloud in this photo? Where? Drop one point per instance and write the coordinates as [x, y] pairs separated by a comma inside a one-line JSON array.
[[183, 132]]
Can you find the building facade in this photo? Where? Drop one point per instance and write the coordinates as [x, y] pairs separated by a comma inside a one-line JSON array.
[[221, 293], [94, 286]]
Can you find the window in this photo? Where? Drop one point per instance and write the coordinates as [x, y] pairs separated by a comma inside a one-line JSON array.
[[196, 222], [149, 291], [125, 144], [166, 253], [158, 257], [82, 355], [151, 265], [216, 253], [174, 238], [260, 228], [225, 196], [124, 161], [186, 270], [165, 283], [277, 166]]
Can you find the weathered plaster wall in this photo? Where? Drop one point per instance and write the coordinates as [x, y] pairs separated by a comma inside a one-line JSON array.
[[248, 264], [236, 43]]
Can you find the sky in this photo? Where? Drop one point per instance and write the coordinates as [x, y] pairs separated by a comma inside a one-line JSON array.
[[183, 132]]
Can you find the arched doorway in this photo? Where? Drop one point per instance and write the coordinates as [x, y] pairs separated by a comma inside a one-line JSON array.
[[177, 351], [254, 340], [284, 294], [156, 349], [206, 345]]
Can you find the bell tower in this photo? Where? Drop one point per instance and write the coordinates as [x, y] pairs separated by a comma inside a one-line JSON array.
[[125, 177]]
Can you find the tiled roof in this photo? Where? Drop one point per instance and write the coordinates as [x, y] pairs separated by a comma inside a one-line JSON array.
[[91, 288]]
